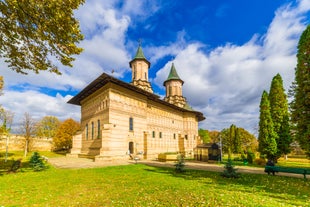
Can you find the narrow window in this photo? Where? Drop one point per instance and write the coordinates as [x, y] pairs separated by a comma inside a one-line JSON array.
[[160, 135], [86, 131], [153, 134], [186, 137], [145, 76], [173, 136], [130, 124], [99, 131], [92, 130]]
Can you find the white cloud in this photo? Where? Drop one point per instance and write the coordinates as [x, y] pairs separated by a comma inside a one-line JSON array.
[[38, 105], [226, 84]]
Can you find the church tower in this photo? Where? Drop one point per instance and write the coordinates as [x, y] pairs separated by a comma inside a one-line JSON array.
[[173, 86], [140, 71]]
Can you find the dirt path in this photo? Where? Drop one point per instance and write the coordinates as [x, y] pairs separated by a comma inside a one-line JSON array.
[[77, 163]]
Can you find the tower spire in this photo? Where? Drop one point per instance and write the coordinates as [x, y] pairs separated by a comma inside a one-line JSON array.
[[173, 86]]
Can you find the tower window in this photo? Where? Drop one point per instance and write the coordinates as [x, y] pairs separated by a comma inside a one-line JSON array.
[[153, 134], [160, 135]]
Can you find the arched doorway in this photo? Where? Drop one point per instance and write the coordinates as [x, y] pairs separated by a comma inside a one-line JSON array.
[[131, 148]]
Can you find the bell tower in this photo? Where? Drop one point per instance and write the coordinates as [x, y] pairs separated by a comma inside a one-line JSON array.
[[173, 86], [140, 71]]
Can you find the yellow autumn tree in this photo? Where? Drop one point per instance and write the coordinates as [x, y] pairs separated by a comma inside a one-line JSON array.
[[64, 134]]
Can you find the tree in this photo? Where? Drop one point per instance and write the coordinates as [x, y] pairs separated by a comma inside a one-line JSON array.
[[28, 131], [266, 137], [237, 141], [47, 127], [204, 135], [280, 115], [64, 134], [214, 136], [300, 106], [34, 33]]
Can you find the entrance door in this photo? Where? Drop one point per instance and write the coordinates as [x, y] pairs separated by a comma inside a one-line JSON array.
[[130, 148]]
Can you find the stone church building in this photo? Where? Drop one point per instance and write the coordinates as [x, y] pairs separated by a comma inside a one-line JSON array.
[[119, 118]]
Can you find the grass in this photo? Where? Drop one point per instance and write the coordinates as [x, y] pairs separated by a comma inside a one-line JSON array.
[[140, 185]]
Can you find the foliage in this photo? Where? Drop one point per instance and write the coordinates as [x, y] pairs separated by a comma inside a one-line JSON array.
[[266, 137], [300, 106], [230, 170], [247, 140], [280, 116], [250, 156], [36, 162], [47, 126], [64, 134], [214, 136], [33, 34], [204, 135], [180, 164]]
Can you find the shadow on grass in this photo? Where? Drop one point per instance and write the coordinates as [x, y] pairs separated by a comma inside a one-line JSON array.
[[270, 186]]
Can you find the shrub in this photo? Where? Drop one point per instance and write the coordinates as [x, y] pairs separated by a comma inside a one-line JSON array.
[[36, 162], [180, 164], [250, 156], [230, 171], [260, 161]]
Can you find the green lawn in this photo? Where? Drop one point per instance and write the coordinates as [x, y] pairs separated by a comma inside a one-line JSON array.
[[140, 185]]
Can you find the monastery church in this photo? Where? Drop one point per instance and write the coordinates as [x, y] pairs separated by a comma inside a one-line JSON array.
[[119, 118]]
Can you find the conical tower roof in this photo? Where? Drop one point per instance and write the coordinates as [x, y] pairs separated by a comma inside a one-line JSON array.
[[173, 75], [139, 56]]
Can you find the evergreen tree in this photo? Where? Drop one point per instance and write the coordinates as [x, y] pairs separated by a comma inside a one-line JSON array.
[[300, 106], [237, 141], [279, 114], [267, 137], [232, 134]]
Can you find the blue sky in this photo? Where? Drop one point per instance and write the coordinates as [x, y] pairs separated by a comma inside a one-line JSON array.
[[225, 51]]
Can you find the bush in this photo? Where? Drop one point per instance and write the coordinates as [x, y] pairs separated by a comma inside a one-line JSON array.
[[230, 171], [180, 164], [36, 162], [250, 156], [260, 161]]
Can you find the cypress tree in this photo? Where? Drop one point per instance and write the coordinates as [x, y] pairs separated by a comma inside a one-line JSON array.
[[300, 106], [237, 141], [279, 114], [267, 137]]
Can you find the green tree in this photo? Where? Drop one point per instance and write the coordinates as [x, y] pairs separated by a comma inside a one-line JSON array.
[[300, 106], [267, 137], [237, 141], [279, 114], [64, 134], [33, 34], [204, 135], [47, 126]]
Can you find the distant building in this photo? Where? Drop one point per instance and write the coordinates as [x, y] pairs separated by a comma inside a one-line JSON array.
[[119, 118]]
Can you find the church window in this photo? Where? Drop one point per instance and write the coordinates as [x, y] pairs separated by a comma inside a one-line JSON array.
[[186, 137], [160, 135], [99, 131], [153, 134], [92, 130], [145, 76], [130, 124], [86, 131], [170, 91], [174, 136]]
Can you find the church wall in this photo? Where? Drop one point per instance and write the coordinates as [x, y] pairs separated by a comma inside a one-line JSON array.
[[93, 109]]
